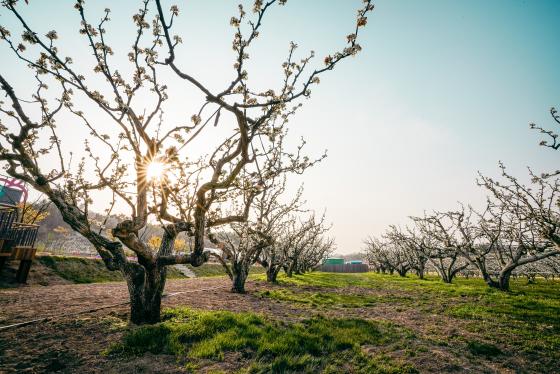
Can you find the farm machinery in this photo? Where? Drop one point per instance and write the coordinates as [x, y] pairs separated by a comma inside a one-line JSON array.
[[17, 238]]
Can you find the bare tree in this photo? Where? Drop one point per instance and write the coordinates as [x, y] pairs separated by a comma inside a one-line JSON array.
[[376, 256], [298, 246], [273, 257], [314, 255], [133, 152], [475, 236], [379, 254], [548, 268], [531, 221], [240, 249], [552, 136], [242, 245], [413, 248], [441, 235], [308, 237]]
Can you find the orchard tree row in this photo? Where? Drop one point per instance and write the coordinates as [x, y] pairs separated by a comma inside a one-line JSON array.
[[517, 232]]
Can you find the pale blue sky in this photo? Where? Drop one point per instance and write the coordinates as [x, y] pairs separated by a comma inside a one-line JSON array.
[[441, 90]]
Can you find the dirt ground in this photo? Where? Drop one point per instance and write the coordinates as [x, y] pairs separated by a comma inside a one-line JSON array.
[[73, 343]]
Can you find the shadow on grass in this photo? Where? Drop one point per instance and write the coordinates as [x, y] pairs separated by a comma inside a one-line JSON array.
[[529, 315], [315, 344]]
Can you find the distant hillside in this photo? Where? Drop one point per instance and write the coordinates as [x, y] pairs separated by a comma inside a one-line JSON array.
[[57, 238], [51, 270]]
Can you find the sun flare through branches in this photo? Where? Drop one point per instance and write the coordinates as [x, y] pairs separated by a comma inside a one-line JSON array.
[[156, 171]]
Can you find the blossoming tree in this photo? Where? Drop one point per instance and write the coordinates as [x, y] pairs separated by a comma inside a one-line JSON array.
[[135, 156]]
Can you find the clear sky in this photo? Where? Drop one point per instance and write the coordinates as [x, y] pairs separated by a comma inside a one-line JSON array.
[[441, 90]]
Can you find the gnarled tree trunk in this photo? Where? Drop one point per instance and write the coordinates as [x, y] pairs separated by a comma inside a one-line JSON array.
[[503, 280], [272, 274], [238, 285], [289, 270], [146, 282], [238, 275], [146, 290], [489, 281], [447, 271], [402, 270], [420, 271], [502, 283]]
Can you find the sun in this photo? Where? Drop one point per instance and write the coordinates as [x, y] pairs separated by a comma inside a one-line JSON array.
[[155, 171]]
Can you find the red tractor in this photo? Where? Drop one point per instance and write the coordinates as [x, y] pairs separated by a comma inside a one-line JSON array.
[[17, 239]]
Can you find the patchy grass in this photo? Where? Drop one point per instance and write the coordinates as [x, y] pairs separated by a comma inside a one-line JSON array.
[[207, 270], [432, 284], [330, 323], [80, 269], [530, 322], [328, 299], [527, 318], [92, 270], [320, 279], [316, 344]]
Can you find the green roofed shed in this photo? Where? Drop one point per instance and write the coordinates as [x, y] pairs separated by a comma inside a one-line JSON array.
[[334, 261]]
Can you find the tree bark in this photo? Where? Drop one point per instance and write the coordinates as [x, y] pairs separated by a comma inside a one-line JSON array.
[[444, 275], [489, 281], [238, 280], [502, 283], [503, 280], [145, 288], [272, 274], [289, 270]]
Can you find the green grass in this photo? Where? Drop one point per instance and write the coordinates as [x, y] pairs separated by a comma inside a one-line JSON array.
[[530, 321], [79, 269], [473, 325], [320, 279], [527, 317], [328, 299], [460, 286], [316, 344], [207, 270]]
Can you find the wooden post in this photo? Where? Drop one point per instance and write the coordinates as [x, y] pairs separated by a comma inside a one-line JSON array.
[[26, 256], [23, 271]]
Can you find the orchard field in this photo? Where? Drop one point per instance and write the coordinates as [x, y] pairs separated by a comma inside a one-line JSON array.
[[317, 322], [173, 176]]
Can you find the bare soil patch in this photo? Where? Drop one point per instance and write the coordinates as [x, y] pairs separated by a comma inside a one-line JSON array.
[[74, 343]]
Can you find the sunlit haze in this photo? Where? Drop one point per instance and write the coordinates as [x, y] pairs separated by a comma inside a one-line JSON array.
[[430, 101]]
